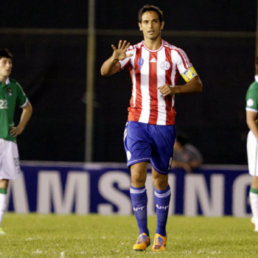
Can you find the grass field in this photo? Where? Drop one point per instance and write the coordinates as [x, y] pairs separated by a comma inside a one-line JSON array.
[[36, 235]]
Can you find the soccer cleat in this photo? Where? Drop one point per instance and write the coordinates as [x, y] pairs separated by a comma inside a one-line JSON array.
[[159, 243], [2, 232], [143, 241]]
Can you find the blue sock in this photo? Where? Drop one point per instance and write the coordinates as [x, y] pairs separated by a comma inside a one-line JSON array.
[[162, 199], [139, 202]]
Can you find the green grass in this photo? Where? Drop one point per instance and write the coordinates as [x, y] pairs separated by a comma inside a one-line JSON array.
[[36, 235]]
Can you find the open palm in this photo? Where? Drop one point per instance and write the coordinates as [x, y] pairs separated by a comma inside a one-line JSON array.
[[120, 51]]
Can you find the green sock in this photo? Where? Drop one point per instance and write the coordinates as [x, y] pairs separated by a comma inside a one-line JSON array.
[[252, 190], [3, 190]]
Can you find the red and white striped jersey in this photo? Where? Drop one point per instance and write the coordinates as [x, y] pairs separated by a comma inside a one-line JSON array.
[[150, 69]]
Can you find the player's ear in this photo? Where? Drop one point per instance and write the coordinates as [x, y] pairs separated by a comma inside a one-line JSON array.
[[162, 25], [140, 26]]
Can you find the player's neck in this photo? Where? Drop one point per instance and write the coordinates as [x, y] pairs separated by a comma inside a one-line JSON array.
[[153, 44], [3, 79]]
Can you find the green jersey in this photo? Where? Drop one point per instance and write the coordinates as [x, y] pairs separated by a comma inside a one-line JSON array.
[[11, 95]]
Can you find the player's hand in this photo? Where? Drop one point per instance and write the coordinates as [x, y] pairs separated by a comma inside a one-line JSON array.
[[119, 53], [15, 131], [166, 90]]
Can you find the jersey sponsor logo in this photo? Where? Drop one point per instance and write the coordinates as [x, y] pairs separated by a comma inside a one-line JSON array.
[[140, 62], [139, 208], [250, 102], [165, 65], [161, 207], [3, 104]]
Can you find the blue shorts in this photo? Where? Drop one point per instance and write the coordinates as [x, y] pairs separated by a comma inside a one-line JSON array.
[[151, 143]]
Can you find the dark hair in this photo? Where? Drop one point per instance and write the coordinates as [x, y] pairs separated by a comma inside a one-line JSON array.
[[182, 139], [147, 8], [6, 53]]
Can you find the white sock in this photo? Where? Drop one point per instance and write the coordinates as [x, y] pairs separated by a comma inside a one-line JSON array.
[[254, 208], [3, 198]]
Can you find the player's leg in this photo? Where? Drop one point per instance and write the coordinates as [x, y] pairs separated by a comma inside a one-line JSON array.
[[252, 154], [254, 201], [163, 142], [139, 202], [162, 195], [139, 196], [9, 169], [138, 152], [3, 199]]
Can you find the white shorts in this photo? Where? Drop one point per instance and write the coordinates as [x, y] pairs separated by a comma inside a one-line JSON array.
[[252, 154], [9, 160]]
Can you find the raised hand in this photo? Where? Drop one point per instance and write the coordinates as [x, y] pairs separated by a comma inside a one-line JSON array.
[[119, 53]]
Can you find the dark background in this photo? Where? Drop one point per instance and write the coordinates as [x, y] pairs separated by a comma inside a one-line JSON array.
[[52, 70]]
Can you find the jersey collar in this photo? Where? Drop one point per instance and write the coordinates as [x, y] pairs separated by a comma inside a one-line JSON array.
[[7, 81], [156, 50]]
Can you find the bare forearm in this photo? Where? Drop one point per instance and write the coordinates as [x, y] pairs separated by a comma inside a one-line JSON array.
[[193, 86], [25, 116], [251, 122], [110, 66], [253, 127]]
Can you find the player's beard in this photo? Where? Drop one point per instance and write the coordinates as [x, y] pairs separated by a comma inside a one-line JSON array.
[[154, 37]]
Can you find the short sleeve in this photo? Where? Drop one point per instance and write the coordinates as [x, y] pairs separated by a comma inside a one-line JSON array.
[[21, 96], [182, 60], [252, 100], [184, 65]]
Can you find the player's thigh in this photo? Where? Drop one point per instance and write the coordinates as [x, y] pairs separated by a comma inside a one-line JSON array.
[[10, 165], [163, 146], [252, 154], [137, 143]]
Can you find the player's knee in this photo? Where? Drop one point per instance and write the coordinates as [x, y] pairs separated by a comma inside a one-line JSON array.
[[138, 174], [160, 182], [138, 180], [255, 182]]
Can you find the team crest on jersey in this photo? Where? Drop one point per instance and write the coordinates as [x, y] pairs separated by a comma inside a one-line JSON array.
[[9, 90], [250, 102], [165, 65], [140, 62]]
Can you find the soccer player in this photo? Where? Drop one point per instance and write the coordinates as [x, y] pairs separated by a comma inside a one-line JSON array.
[[149, 136], [11, 95], [252, 143]]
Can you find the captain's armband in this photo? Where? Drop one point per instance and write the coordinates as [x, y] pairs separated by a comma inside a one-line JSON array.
[[189, 74]]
